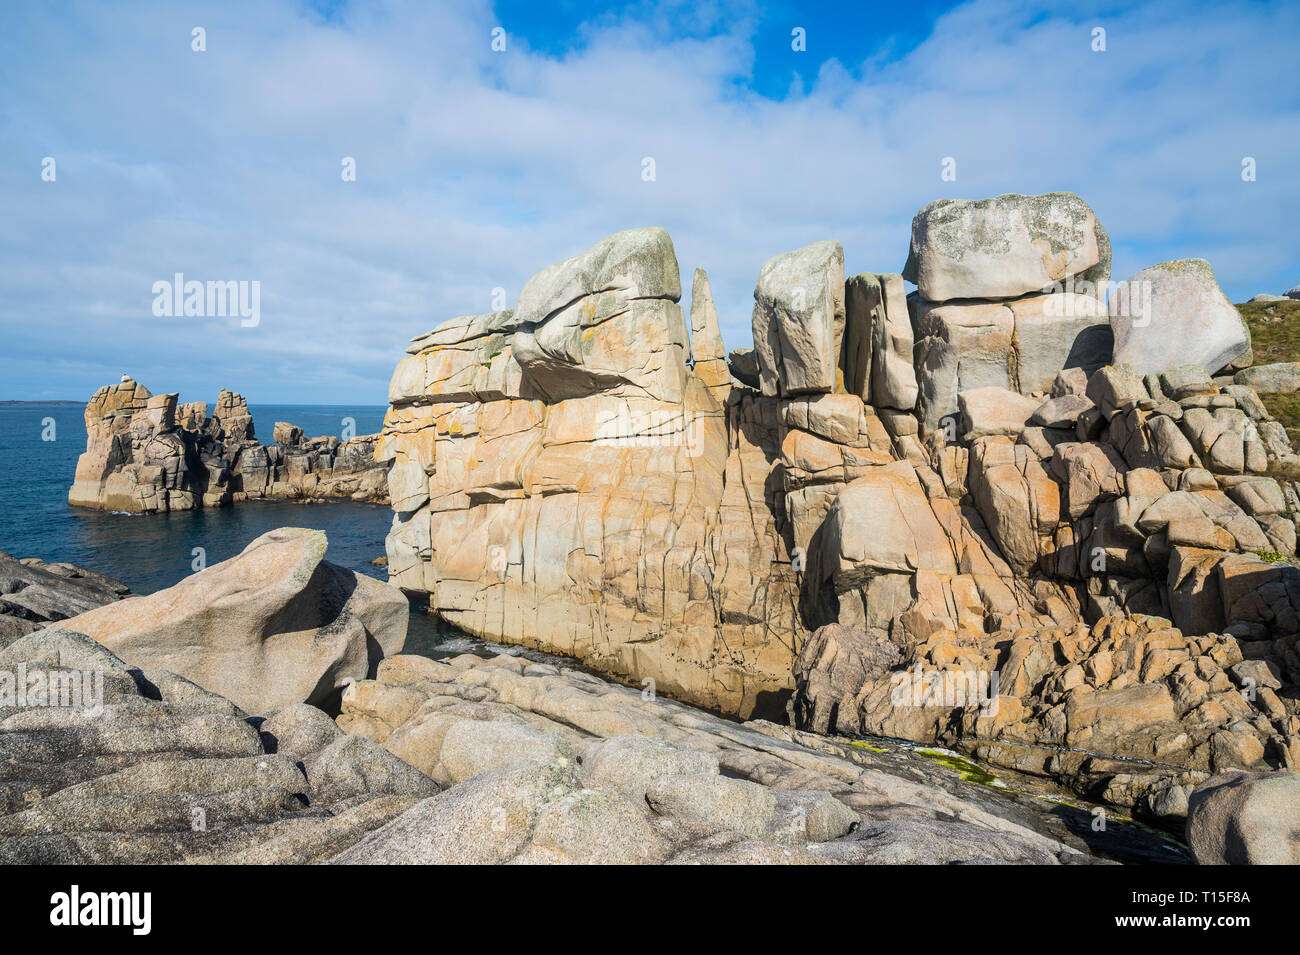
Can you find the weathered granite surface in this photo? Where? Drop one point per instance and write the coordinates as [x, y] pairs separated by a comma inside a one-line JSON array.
[[559, 484], [481, 760], [275, 625], [34, 593]]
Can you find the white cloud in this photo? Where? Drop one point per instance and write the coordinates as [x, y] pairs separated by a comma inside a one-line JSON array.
[[477, 169]]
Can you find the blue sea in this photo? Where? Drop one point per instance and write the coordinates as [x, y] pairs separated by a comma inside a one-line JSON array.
[[39, 447]]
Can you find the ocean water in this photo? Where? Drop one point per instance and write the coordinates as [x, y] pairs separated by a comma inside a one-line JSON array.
[[39, 447]]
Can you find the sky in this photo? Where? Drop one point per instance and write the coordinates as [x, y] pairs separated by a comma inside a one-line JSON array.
[[476, 168]]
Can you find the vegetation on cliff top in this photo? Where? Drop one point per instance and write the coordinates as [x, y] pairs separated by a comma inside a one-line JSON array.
[[1275, 336]]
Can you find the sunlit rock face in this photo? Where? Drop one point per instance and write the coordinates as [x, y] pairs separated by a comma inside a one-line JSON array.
[[953, 473]]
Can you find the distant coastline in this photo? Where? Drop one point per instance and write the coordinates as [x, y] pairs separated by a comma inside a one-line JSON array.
[[23, 404]]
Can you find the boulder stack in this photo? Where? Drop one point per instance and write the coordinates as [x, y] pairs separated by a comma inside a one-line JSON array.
[[1008, 294]]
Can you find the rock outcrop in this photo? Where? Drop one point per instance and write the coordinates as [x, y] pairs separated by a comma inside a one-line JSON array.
[[547, 764], [1175, 314], [147, 454], [145, 767], [471, 760], [34, 593], [1118, 547], [273, 626], [1241, 819], [562, 479], [1008, 295]]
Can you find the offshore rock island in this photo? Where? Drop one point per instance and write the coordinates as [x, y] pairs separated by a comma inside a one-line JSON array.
[[147, 454]]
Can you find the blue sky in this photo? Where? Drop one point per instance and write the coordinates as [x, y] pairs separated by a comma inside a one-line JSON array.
[[476, 169]]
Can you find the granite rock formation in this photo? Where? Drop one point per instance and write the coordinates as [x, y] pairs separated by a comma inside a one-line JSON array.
[[563, 479], [542, 763], [146, 767], [471, 760], [147, 454], [1118, 547]]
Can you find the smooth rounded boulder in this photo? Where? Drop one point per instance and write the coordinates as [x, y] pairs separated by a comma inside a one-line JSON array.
[[273, 626], [1240, 818], [1175, 314]]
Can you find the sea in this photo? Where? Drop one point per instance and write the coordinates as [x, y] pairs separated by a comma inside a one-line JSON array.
[[39, 447]]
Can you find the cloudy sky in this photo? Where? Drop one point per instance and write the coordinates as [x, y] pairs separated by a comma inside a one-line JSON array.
[[476, 168]]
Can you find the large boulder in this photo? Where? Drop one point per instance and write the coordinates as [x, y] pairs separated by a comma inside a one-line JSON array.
[[610, 507], [960, 346], [1174, 314], [1240, 818], [1282, 377], [799, 319], [606, 321], [878, 341], [1021, 344], [276, 625], [1055, 332], [1005, 246]]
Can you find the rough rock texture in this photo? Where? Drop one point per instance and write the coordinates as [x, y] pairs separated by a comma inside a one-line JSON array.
[[877, 346], [1005, 246], [1125, 710], [1278, 378], [146, 454], [570, 768], [799, 320], [614, 511], [699, 543], [149, 768], [1175, 314], [708, 354], [1020, 344], [273, 626], [34, 593], [1244, 819]]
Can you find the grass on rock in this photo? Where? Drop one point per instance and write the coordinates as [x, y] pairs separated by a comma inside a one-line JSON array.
[[1275, 336]]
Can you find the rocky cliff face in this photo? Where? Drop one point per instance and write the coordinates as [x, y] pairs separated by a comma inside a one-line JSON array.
[[146, 454], [564, 479], [961, 482]]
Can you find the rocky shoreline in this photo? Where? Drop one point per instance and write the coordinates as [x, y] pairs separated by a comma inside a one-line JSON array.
[[146, 454], [34, 594], [490, 760], [1030, 516], [109, 755]]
